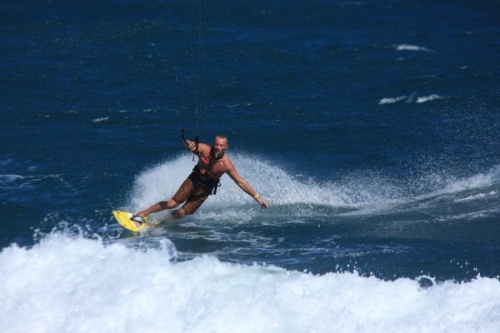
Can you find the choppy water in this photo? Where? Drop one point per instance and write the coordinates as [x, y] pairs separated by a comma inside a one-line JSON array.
[[371, 129]]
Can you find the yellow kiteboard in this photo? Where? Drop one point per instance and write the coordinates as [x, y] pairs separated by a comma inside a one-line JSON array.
[[124, 219]]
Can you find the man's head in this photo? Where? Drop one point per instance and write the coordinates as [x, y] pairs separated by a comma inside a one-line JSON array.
[[219, 146]]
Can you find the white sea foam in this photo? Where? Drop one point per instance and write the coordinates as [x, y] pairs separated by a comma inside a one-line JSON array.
[[408, 47], [160, 182], [428, 98], [8, 178], [479, 196], [480, 180], [73, 284], [358, 194], [412, 98], [100, 120], [391, 100]]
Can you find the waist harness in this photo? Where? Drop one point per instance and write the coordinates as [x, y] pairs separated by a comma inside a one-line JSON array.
[[205, 180]]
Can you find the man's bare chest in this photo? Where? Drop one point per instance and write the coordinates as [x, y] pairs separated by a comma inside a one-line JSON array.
[[218, 168]]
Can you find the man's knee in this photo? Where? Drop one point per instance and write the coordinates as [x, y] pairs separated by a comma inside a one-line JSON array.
[[172, 204], [179, 214]]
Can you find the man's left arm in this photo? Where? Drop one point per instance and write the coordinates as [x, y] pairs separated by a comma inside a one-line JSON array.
[[243, 184]]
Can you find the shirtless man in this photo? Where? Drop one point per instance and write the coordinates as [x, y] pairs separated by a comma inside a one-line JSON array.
[[203, 181]]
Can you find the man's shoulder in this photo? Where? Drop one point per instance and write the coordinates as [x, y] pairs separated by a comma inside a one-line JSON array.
[[228, 164], [203, 147]]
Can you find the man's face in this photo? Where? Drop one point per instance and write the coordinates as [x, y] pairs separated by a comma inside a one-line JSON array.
[[220, 146]]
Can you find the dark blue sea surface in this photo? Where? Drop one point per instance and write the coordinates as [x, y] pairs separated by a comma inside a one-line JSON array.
[[371, 128]]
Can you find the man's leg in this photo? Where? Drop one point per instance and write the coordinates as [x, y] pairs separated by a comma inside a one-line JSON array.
[[180, 196], [179, 214], [162, 205], [159, 206], [192, 204]]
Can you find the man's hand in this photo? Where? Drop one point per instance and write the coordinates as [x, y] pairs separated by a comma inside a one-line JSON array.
[[261, 202], [188, 144]]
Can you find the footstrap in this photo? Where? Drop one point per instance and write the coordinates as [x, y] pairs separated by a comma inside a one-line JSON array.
[[139, 219]]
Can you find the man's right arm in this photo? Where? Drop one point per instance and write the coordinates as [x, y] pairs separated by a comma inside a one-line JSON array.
[[193, 147], [190, 145]]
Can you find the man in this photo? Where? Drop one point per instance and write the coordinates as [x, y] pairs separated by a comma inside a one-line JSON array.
[[203, 181]]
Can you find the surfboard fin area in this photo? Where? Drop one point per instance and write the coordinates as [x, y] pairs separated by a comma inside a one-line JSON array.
[[124, 219]]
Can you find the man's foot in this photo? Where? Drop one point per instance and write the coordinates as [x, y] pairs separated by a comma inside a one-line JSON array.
[[138, 220]]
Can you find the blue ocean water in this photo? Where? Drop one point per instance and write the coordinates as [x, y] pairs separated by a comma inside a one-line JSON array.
[[371, 128]]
